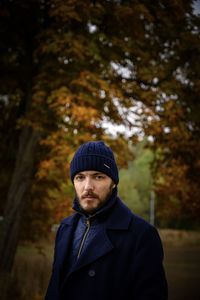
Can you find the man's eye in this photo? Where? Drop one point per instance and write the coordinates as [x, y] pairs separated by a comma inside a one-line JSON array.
[[79, 177], [99, 177]]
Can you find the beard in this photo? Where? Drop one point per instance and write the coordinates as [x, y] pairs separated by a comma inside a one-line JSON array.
[[95, 201]]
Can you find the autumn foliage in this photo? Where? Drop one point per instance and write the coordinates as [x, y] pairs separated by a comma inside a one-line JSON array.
[[69, 68]]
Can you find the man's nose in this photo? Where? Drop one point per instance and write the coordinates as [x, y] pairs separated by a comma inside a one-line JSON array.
[[88, 184]]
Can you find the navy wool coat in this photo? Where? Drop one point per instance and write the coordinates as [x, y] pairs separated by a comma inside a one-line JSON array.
[[123, 261]]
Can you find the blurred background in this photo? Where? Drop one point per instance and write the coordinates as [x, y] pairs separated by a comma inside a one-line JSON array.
[[125, 71]]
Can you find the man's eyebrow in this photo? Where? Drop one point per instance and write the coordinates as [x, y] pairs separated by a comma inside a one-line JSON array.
[[91, 174], [98, 173]]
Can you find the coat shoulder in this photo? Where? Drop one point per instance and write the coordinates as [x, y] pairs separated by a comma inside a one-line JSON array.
[[68, 220], [137, 222], [137, 225], [123, 218]]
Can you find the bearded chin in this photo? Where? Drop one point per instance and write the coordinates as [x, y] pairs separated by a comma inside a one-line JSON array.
[[101, 203]]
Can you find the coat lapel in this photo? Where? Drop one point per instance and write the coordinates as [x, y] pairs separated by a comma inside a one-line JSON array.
[[64, 238], [99, 246]]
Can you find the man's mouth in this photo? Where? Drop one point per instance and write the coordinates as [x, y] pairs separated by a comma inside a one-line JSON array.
[[89, 197]]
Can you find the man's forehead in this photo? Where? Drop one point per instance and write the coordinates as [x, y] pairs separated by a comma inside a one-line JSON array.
[[90, 172]]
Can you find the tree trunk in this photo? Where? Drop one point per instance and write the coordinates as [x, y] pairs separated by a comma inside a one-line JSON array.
[[20, 185]]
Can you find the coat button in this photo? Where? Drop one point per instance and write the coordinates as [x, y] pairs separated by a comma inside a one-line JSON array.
[[91, 273]]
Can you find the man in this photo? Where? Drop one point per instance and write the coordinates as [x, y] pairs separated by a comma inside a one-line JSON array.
[[104, 251]]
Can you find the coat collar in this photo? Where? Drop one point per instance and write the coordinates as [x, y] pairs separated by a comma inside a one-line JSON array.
[[118, 216], [71, 220]]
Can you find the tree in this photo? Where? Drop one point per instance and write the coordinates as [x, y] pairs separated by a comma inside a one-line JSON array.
[[175, 126], [52, 94], [136, 181]]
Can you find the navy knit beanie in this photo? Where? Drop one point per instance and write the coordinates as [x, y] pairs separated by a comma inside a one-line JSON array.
[[94, 156]]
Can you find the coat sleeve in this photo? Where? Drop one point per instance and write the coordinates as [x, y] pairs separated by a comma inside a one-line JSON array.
[[149, 280], [52, 290]]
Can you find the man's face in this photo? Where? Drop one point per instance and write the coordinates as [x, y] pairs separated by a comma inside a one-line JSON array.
[[92, 189]]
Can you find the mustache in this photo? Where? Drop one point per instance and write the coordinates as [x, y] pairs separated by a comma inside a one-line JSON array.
[[89, 194]]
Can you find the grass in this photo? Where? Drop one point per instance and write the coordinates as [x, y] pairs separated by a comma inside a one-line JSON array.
[[180, 237], [32, 271], [182, 263]]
